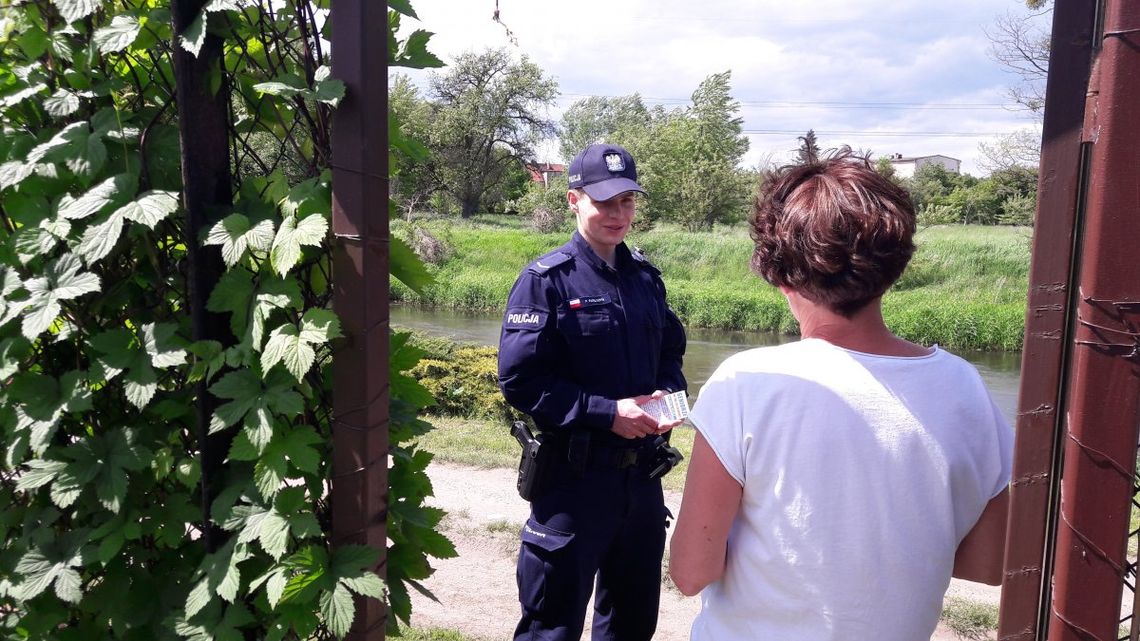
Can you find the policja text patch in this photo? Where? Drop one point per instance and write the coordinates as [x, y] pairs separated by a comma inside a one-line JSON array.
[[524, 319]]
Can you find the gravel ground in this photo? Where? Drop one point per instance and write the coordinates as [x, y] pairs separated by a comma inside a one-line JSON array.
[[476, 590]]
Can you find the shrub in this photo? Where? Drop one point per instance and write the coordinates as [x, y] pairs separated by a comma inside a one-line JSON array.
[[544, 205], [546, 221], [938, 215], [1018, 210], [430, 249], [465, 383]]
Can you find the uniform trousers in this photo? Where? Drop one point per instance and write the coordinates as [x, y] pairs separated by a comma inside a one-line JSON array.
[[601, 529]]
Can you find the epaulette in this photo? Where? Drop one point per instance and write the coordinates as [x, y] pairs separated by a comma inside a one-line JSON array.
[[640, 259], [548, 262]]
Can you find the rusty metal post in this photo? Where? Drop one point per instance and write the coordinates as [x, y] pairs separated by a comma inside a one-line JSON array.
[[1047, 325], [360, 297], [1104, 410], [203, 133]]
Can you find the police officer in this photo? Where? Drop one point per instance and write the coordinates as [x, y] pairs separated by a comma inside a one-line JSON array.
[[587, 338]]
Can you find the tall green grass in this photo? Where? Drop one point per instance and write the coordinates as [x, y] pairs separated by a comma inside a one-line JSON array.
[[965, 287]]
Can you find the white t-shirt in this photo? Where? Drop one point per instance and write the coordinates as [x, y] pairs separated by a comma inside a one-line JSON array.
[[861, 475]]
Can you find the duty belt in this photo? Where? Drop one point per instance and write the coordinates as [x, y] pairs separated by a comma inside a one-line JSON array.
[[617, 457]]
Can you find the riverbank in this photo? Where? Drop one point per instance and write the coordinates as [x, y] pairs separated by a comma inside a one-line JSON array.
[[965, 287]]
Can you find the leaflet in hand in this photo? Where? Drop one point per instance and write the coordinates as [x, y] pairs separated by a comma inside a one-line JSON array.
[[668, 408]]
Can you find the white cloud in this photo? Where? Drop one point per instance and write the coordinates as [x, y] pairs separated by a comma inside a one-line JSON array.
[[877, 65]]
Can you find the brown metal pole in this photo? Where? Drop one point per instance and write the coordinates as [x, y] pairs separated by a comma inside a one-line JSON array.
[[1104, 410], [203, 132], [360, 297], [1047, 325]]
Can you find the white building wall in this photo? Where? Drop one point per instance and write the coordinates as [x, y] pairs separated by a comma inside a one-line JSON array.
[[905, 167]]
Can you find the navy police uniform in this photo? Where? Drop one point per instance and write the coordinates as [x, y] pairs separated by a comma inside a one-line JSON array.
[[578, 335]]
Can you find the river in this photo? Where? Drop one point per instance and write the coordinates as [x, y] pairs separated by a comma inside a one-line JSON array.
[[1001, 371]]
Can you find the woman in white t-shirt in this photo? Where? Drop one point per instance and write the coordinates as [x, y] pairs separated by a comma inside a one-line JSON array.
[[838, 482]]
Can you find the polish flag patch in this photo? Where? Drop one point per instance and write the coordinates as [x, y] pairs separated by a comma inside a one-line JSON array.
[[575, 303]]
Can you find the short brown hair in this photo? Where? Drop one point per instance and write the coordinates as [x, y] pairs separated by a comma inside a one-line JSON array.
[[833, 229]]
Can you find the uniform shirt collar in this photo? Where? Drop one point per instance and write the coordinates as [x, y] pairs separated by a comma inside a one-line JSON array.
[[622, 255]]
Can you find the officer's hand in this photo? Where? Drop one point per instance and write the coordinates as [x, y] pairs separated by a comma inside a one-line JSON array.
[[667, 425], [631, 421]]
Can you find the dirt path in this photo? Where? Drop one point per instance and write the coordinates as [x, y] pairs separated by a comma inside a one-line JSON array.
[[476, 591]]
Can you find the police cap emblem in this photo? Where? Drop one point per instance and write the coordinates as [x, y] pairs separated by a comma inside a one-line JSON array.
[[614, 162]]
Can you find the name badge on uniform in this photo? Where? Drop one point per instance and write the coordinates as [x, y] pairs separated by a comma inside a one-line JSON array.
[[588, 301], [524, 319]]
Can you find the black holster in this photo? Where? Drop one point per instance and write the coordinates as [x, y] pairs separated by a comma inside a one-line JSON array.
[[534, 463]]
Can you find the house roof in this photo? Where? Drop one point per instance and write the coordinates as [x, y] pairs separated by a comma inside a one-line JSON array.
[[914, 158], [546, 167]]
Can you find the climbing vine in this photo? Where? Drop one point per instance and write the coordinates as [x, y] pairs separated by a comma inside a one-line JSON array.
[[106, 511]]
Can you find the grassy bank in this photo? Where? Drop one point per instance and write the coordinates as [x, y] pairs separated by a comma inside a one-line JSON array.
[[965, 287]]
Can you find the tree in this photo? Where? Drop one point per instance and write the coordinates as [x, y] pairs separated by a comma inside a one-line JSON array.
[[1021, 148], [713, 187], [1021, 44], [976, 203], [687, 158], [886, 169], [930, 185], [809, 148], [415, 176], [487, 117], [596, 119]]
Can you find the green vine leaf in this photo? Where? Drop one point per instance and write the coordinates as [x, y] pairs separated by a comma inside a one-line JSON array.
[[286, 346], [292, 346], [223, 5], [194, 36], [96, 198], [14, 172], [121, 349], [337, 610], [31, 242], [39, 473], [413, 52], [219, 576], [235, 234], [285, 86], [20, 95], [73, 10], [63, 281], [291, 236], [119, 35], [407, 267], [328, 90], [9, 284], [151, 207], [12, 350], [271, 525], [233, 294], [214, 623], [366, 585], [98, 240], [75, 146], [158, 341], [254, 403], [404, 7], [61, 103], [54, 562]]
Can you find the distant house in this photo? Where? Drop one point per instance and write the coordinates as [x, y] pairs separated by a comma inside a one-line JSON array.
[[905, 166], [543, 171]]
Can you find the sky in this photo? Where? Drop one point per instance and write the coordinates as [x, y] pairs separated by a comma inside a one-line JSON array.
[[885, 76]]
